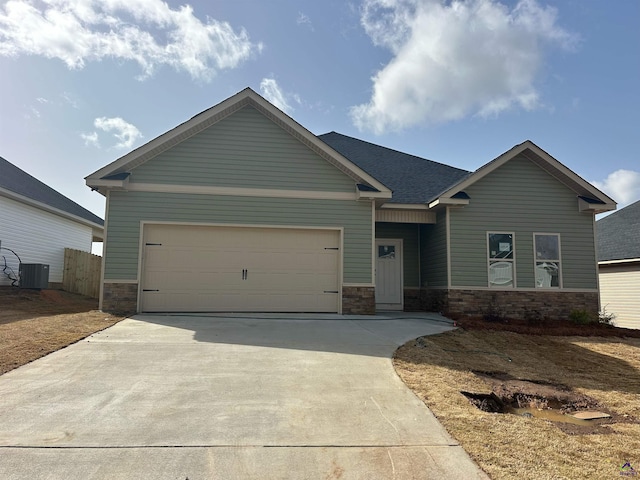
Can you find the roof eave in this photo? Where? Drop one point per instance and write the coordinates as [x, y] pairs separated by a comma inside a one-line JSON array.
[[48, 208], [448, 202], [102, 185], [622, 261], [585, 206]]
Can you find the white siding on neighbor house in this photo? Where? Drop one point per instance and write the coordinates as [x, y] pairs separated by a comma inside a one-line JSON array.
[[38, 237], [620, 293]]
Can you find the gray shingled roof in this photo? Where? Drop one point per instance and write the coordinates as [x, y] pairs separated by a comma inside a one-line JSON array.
[[619, 234], [412, 179], [20, 182]]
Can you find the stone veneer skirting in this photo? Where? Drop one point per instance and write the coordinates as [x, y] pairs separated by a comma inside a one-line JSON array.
[[120, 298], [511, 303], [358, 300]]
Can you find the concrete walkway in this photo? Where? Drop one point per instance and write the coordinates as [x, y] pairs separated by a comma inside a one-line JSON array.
[[227, 397]]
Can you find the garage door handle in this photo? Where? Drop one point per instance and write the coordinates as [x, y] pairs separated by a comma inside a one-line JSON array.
[[245, 273]]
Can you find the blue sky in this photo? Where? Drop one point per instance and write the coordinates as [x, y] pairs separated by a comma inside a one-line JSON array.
[[82, 82]]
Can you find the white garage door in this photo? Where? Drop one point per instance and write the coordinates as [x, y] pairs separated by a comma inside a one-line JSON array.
[[239, 269]]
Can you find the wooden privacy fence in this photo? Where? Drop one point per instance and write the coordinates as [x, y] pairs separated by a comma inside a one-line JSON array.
[[81, 273]]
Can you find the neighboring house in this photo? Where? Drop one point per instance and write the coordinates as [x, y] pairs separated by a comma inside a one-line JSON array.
[[242, 209], [38, 223], [619, 264]]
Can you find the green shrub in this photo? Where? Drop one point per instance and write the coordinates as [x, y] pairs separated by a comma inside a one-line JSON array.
[[582, 317]]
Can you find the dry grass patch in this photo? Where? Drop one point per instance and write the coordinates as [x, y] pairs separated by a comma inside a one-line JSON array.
[[36, 323], [437, 368]]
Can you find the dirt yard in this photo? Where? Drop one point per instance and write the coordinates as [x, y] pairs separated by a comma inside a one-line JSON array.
[[507, 376], [34, 323]]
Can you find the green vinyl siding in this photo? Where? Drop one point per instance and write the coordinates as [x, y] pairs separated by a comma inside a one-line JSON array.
[[522, 198], [409, 233], [244, 150], [433, 256], [128, 209]]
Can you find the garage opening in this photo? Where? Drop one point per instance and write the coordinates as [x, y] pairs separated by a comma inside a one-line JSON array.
[[192, 268]]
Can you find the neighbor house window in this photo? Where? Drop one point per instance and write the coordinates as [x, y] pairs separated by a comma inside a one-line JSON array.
[[501, 259], [547, 254]]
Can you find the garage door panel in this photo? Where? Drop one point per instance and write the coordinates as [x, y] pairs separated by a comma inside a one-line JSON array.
[[197, 268]]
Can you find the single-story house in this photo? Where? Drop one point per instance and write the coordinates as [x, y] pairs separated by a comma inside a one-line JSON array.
[[619, 265], [241, 208], [38, 223]]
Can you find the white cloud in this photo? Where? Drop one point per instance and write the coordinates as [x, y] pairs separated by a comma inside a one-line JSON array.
[[622, 185], [148, 32], [303, 19], [273, 93], [70, 99], [455, 58], [126, 133], [90, 139]]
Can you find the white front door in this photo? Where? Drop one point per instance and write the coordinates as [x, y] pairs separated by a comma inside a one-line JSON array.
[[389, 285]]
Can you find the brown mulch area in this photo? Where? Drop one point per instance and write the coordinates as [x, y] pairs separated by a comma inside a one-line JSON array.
[[35, 323], [563, 328]]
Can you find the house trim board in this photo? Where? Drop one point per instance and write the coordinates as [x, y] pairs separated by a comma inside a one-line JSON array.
[[240, 192], [448, 235], [519, 289]]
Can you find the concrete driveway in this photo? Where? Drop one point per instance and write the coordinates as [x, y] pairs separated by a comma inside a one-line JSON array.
[[227, 397]]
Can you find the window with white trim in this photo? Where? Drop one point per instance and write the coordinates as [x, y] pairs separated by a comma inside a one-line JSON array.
[[501, 259], [546, 247]]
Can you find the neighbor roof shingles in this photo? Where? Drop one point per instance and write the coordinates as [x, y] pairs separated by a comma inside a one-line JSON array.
[[20, 182], [412, 179], [619, 234]]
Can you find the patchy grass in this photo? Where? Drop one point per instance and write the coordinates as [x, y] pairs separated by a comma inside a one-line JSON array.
[[35, 323], [437, 368]]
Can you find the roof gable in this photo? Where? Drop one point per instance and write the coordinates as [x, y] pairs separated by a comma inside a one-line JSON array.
[[591, 198], [21, 186], [618, 234], [412, 179], [206, 119], [243, 150]]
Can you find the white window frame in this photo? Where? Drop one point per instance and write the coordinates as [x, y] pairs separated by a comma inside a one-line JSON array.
[[558, 261], [491, 260]]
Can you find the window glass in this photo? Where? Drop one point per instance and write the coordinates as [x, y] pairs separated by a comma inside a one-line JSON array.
[[547, 247], [501, 245], [548, 264], [386, 251], [501, 260]]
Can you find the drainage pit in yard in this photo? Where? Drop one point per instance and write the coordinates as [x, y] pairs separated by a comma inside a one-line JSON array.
[[572, 412], [554, 415], [526, 405]]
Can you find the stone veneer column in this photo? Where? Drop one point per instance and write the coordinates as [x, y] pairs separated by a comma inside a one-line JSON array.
[[358, 300], [120, 298]]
